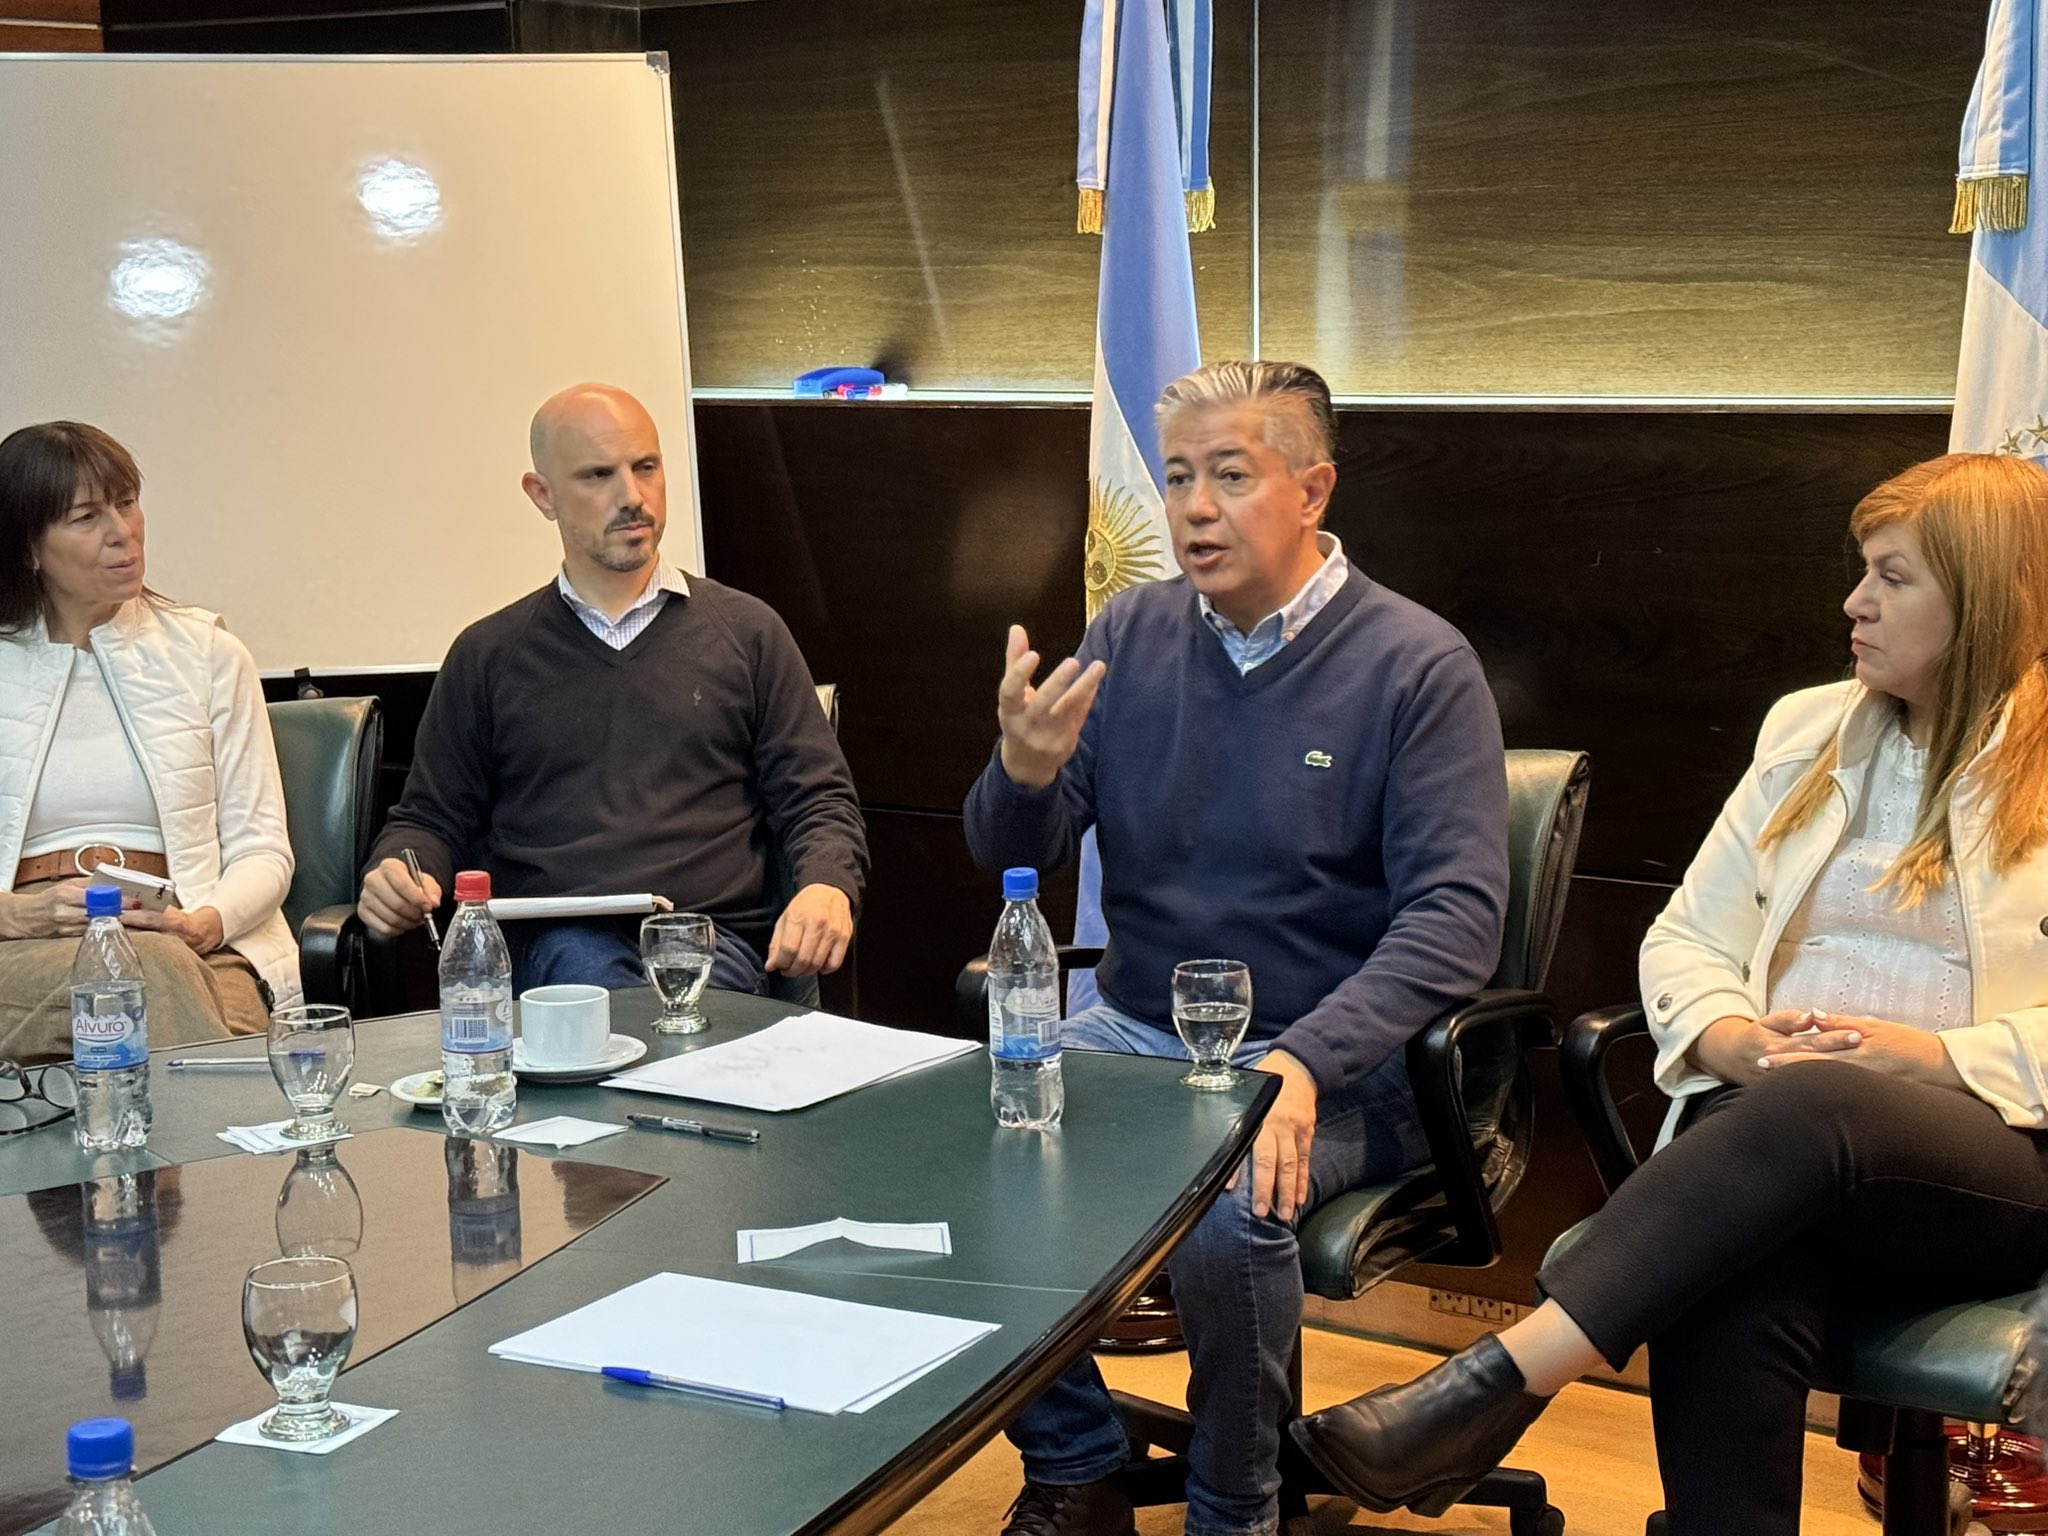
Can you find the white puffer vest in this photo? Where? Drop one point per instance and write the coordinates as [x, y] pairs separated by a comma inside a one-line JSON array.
[[189, 698]]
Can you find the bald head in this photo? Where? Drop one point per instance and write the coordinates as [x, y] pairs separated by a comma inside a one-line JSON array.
[[597, 475], [578, 411]]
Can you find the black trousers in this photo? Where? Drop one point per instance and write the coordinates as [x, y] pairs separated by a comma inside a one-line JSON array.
[[1729, 1251]]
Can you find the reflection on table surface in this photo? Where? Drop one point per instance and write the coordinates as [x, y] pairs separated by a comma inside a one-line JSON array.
[[122, 1295]]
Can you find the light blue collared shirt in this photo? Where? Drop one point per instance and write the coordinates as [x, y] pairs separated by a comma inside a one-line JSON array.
[[1276, 629], [629, 626]]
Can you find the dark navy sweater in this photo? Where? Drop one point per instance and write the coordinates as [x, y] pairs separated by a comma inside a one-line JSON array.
[[1337, 818], [695, 763]]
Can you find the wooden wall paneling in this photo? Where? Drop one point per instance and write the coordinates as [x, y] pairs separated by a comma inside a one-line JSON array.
[[264, 26], [575, 26], [33, 37], [1591, 197], [80, 12], [1641, 586], [899, 544], [891, 183]]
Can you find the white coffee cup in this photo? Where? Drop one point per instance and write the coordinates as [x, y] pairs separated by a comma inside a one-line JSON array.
[[564, 1026]]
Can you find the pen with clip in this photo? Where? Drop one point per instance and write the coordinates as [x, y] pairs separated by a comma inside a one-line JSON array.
[[183, 1062], [412, 867], [695, 1128], [640, 1378]]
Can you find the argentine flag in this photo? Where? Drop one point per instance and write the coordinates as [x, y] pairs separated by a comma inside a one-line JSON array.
[[2002, 375], [1145, 334]]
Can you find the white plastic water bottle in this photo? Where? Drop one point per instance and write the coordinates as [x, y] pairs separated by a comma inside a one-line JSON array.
[[109, 1030], [477, 1088], [100, 1456], [1024, 1011]]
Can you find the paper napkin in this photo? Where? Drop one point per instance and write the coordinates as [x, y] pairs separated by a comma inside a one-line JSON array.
[[266, 1138], [360, 1422], [559, 1131]]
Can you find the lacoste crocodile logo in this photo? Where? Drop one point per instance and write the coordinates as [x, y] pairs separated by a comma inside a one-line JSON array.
[[1318, 760]]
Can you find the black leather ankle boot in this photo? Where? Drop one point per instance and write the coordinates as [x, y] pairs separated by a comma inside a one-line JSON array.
[[1426, 1442]]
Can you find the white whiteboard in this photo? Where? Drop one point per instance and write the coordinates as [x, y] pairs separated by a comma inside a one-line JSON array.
[[319, 300]]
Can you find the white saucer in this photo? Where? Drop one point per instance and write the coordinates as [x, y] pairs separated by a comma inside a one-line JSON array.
[[419, 1089], [619, 1051]]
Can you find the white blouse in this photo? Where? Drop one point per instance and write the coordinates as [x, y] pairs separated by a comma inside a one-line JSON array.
[[1849, 948], [92, 788]]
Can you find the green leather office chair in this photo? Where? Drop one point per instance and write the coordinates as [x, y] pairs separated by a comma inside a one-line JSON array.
[[1468, 1072], [1900, 1371], [329, 751]]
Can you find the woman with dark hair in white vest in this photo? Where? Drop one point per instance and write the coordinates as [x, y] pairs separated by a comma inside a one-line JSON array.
[[132, 732]]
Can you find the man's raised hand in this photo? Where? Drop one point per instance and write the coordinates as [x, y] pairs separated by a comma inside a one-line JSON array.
[[1042, 723]]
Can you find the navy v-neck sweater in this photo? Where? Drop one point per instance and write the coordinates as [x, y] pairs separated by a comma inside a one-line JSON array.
[[695, 763], [1336, 817]]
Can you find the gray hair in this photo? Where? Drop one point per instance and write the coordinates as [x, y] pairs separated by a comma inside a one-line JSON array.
[[1303, 430]]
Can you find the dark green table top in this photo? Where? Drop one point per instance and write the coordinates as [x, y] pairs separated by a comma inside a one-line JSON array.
[[1052, 1235]]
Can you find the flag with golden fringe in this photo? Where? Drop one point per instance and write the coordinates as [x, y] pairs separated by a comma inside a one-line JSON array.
[[1188, 43]]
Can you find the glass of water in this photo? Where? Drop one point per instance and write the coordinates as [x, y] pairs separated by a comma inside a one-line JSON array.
[[676, 950], [299, 1321], [1212, 1006], [312, 1053]]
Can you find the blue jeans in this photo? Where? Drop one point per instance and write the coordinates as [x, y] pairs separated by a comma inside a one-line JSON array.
[[1237, 1283], [605, 952]]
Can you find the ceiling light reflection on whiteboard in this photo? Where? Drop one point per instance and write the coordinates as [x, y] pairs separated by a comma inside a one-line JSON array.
[[158, 280], [402, 200]]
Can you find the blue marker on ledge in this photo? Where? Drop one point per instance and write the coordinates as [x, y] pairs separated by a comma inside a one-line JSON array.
[[640, 1378]]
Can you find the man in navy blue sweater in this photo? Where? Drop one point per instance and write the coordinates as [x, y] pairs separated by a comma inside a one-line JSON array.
[[1286, 764]]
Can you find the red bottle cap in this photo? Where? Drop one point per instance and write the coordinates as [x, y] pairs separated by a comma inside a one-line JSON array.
[[473, 885]]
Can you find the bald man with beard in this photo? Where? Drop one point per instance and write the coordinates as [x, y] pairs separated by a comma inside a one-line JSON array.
[[626, 728]]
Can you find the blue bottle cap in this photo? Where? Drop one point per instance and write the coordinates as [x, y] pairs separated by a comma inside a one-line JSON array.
[[100, 1448], [1020, 884], [103, 901]]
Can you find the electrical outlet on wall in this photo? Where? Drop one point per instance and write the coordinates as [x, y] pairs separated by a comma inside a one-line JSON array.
[[1484, 1308]]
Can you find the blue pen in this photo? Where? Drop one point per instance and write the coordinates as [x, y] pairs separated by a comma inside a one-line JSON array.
[[640, 1378]]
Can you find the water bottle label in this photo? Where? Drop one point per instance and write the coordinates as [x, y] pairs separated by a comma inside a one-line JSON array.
[[1024, 1025], [106, 1035], [484, 1024]]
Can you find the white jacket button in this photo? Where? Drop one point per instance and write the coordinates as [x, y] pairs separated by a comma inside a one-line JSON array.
[[1760, 900], [1664, 1003], [2044, 927]]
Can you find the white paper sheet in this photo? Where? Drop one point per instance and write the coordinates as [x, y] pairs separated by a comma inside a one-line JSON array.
[[757, 1245], [505, 908], [262, 1139], [813, 1352], [360, 1422], [559, 1131], [796, 1062]]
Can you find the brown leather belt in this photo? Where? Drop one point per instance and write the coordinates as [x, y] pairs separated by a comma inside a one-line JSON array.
[[67, 863]]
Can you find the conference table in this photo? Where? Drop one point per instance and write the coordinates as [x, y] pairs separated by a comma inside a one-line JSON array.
[[1052, 1235]]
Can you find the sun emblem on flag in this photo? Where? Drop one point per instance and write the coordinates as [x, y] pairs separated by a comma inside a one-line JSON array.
[[1122, 548]]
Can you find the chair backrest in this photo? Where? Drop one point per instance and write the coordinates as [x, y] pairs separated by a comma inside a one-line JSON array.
[[328, 752], [1546, 808]]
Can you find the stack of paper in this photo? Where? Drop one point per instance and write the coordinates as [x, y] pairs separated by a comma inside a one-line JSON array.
[[797, 1062], [268, 1138], [760, 1244], [814, 1353]]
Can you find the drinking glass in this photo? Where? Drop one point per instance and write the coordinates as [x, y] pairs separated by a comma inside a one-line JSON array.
[[319, 1208], [299, 1321], [312, 1053], [1212, 1005], [676, 950]]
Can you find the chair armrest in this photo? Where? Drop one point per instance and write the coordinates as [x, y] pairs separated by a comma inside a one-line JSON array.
[[1435, 1076], [330, 947], [1582, 1072], [970, 987]]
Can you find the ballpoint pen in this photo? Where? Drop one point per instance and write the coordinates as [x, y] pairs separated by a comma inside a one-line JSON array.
[[412, 866], [695, 1128], [218, 1061], [640, 1378]]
